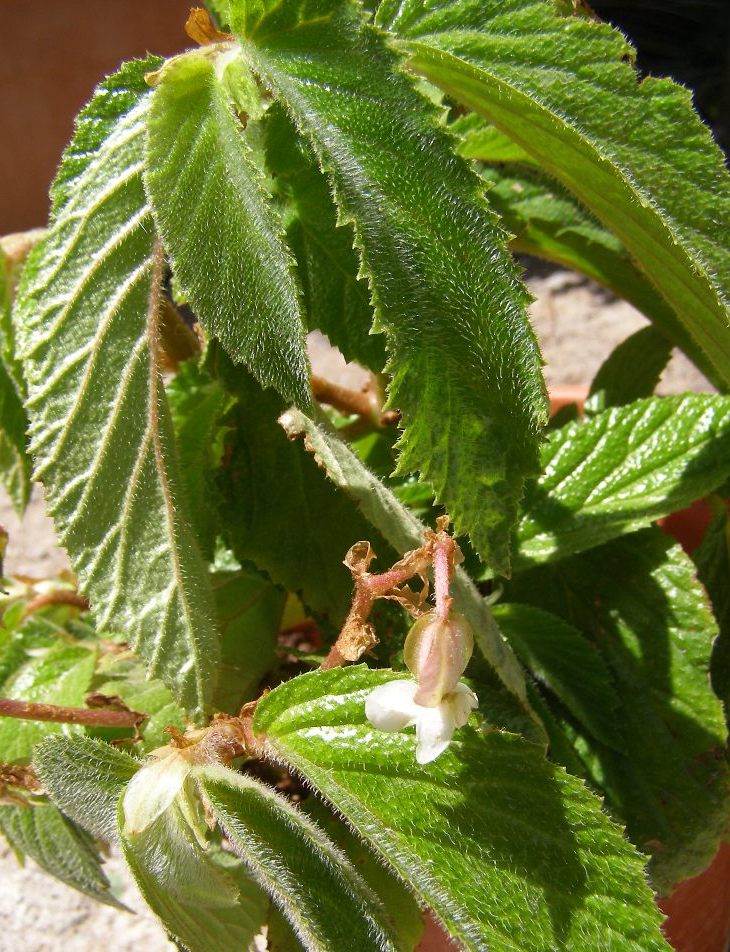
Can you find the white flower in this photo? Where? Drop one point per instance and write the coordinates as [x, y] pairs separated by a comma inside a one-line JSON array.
[[391, 707]]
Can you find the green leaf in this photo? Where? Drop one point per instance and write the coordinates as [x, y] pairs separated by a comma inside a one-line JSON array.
[[223, 235], [548, 222], [85, 778], [622, 470], [101, 433], [485, 143], [639, 601], [464, 362], [635, 154], [631, 371], [204, 902], [198, 405], [562, 659], [282, 514], [712, 559], [249, 610], [401, 908], [15, 464], [58, 846], [509, 851], [404, 532], [313, 884], [337, 302], [121, 674], [60, 674]]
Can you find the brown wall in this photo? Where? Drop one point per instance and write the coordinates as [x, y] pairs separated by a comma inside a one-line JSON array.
[[52, 54]]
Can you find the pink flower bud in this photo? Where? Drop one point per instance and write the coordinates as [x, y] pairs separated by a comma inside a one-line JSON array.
[[436, 653]]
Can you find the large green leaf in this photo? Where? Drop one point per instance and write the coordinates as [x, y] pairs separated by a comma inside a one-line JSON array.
[[223, 234], [338, 302], [548, 222], [399, 903], [283, 515], [639, 601], [58, 673], [509, 851], [58, 846], [622, 470], [206, 902], [101, 434], [464, 362], [315, 886], [85, 778], [561, 658], [404, 532], [635, 153]]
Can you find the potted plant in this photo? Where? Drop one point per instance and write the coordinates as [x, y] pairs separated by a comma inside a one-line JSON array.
[[507, 705]]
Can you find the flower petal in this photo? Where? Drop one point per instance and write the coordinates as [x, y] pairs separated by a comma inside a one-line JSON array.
[[462, 702], [391, 707], [152, 789], [434, 729]]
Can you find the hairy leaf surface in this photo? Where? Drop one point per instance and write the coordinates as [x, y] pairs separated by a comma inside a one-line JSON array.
[[284, 516], [635, 153], [314, 885], [404, 532], [337, 301], [205, 901], [399, 904], [85, 778], [622, 470], [198, 405], [58, 846], [548, 222], [561, 658], [508, 850], [219, 226], [638, 600], [121, 674], [464, 362], [101, 433]]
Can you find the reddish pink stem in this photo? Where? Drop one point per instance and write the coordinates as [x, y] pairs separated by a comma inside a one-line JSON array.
[[377, 584], [97, 717], [442, 570]]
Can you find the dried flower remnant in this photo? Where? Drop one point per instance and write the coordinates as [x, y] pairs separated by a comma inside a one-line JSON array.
[[164, 779]]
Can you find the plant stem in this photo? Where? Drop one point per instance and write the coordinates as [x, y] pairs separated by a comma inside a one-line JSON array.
[[361, 402], [98, 717], [367, 589], [60, 596]]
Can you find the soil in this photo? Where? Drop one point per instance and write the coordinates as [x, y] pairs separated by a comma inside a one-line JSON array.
[[578, 324]]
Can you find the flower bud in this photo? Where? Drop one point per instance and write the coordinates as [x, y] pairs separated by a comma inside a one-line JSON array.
[[436, 652]]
